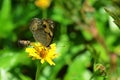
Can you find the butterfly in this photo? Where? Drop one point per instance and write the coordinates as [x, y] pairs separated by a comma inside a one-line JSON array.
[[42, 30]]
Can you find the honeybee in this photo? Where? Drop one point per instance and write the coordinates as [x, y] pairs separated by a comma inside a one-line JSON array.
[[24, 42]]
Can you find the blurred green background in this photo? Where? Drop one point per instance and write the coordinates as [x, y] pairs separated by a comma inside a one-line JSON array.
[[88, 41]]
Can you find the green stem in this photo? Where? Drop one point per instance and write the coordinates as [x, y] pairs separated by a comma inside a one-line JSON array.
[[37, 71], [44, 13]]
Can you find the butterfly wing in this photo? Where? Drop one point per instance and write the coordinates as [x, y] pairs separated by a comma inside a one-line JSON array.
[[42, 30]]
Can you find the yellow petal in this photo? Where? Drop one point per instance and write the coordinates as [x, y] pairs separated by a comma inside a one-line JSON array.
[[50, 61], [30, 50], [42, 61]]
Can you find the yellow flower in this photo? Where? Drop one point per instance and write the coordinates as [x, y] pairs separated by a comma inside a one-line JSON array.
[[38, 51], [43, 3]]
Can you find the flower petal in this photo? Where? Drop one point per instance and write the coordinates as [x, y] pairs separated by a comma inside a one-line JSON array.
[[42, 61], [50, 61]]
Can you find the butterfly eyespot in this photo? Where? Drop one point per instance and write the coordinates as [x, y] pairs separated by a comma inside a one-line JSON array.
[[44, 26]]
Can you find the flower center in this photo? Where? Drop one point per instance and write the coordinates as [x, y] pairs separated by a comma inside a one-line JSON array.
[[43, 53]]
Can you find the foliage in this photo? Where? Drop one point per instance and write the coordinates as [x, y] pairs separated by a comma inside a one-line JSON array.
[[114, 11], [87, 40]]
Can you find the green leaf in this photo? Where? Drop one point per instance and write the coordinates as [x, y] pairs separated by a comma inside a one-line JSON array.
[[10, 59], [6, 9], [77, 69]]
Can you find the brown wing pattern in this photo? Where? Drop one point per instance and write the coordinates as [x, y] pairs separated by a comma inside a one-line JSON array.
[[42, 30]]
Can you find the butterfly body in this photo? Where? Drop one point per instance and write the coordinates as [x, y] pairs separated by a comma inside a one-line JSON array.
[[42, 30]]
